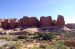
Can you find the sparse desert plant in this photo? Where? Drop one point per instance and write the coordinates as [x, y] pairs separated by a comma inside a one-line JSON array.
[[58, 45], [34, 47], [55, 45], [48, 36], [2, 47], [8, 38], [44, 36], [17, 45], [15, 39], [12, 45], [22, 37], [38, 36]]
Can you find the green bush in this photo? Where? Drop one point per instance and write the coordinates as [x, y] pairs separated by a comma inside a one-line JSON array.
[[44, 36], [48, 36]]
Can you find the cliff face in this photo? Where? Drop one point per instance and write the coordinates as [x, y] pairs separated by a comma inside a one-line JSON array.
[[31, 22]]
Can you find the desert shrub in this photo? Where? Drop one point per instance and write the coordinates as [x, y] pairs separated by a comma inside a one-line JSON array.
[[5, 37], [44, 36], [2, 47], [38, 36], [22, 37], [34, 47], [48, 36], [42, 46], [15, 39], [57, 45], [16, 45], [12, 45], [8, 38]]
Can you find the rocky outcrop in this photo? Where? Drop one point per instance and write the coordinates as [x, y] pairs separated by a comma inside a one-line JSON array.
[[45, 21], [26, 21], [34, 22], [53, 22], [8, 23], [60, 21], [31, 22], [5, 24], [0, 23], [12, 23], [70, 25]]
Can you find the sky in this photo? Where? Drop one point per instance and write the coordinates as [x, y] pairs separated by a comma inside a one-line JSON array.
[[19, 8]]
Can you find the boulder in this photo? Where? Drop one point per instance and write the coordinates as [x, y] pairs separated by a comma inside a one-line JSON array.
[[60, 21]]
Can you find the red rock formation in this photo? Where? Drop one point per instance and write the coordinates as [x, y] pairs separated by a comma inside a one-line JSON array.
[[20, 21], [53, 22], [0, 23], [49, 20], [5, 24], [42, 21], [12, 23], [45, 21], [26, 21], [60, 20], [34, 22], [70, 25], [17, 24]]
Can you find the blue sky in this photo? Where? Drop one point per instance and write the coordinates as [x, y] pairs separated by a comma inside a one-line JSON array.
[[20, 8]]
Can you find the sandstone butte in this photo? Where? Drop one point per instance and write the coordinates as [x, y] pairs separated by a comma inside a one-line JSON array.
[[31, 22]]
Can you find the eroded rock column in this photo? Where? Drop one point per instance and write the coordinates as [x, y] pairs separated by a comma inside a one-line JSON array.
[[60, 21]]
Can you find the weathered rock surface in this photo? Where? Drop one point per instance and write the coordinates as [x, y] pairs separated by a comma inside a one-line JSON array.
[[45, 21], [31, 22], [5, 24], [26, 21], [34, 22], [70, 25], [60, 20], [0, 23], [53, 22], [12, 23]]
